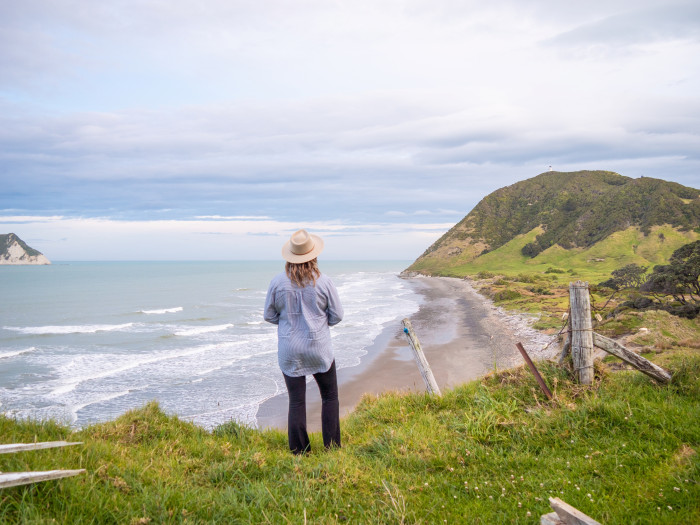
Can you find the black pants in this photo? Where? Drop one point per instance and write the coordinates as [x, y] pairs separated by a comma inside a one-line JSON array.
[[330, 410]]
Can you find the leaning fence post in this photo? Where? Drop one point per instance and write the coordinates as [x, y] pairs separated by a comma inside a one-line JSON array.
[[534, 371], [581, 331], [423, 366]]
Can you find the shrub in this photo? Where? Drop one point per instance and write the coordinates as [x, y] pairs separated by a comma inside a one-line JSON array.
[[554, 270], [540, 290], [506, 295]]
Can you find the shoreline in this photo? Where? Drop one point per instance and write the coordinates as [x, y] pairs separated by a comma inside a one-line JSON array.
[[463, 335]]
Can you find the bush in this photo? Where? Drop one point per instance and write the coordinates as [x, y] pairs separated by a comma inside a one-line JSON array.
[[506, 295], [540, 290], [485, 275], [531, 249], [525, 278], [639, 303], [554, 270]]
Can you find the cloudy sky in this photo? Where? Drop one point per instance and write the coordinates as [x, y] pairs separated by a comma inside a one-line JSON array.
[[212, 129]]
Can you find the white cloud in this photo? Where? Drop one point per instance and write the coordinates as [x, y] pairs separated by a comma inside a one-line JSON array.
[[360, 112], [61, 238]]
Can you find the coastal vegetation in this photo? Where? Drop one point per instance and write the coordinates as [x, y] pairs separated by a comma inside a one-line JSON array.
[[587, 221], [491, 451], [523, 244]]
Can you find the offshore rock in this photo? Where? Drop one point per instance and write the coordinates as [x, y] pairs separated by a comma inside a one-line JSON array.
[[14, 250]]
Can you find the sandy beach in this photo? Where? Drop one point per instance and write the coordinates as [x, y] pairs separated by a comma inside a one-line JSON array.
[[463, 335]]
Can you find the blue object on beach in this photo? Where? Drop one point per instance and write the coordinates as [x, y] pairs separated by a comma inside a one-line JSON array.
[[405, 330]]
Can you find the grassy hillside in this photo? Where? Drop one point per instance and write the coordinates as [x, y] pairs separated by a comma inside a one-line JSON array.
[[593, 263], [556, 212], [491, 451]]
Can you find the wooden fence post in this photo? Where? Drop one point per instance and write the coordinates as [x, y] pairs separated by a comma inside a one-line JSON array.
[[423, 366], [581, 332]]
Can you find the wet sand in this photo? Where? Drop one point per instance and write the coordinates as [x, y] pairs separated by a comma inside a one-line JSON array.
[[463, 335]]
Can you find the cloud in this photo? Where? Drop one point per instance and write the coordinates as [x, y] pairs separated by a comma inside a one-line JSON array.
[[361, 113], [62, 238], [634, 28]]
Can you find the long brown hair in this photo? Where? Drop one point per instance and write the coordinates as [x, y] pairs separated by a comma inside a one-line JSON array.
[[302, 274]]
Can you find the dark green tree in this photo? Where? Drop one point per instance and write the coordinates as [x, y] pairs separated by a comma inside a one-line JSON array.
[[680, 277], [628, 276]]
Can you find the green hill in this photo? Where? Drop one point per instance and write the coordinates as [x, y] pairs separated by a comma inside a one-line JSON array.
[[568, 219]]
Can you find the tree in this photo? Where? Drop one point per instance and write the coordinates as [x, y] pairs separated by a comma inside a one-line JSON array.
[[628, 276], [678, 278]]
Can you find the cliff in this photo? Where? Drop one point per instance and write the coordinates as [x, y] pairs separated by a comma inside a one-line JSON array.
[[14, 250]]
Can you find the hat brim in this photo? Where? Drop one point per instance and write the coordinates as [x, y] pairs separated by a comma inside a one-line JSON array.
[[288, 256]]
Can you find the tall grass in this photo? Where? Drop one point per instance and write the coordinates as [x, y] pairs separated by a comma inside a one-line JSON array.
[[491, 451]]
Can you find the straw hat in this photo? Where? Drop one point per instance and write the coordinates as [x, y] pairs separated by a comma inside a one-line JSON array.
[[302, 247]]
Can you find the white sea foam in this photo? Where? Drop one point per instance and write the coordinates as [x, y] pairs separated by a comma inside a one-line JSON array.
[[237, 359], [4, 355], [100, 399], [198, 330], [163, 311], [91, 374], [60, 330]]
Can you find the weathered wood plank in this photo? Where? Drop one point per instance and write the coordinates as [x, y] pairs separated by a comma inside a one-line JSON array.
[[581, 331], [13, 479], [423, 366], [643, 365], [570, 515], [21, 447], [550, 519], [534, 371]]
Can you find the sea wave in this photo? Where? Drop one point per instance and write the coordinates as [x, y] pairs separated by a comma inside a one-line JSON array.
[[99, 399], [198, 330], [60, 330], [162, 311], [90, 375], [4, 355]]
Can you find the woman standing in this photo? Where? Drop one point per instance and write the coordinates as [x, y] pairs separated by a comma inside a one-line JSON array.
[[304, 303]]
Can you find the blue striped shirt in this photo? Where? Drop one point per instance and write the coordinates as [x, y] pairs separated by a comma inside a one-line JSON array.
[[303, 317]]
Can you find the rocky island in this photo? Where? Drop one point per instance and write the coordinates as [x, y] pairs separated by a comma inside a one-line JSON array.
[[14, 250]]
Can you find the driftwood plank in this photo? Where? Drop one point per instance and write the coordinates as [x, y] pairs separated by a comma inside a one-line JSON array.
[[570, 515], [13, 479], [21, 447], [423, 366], [643, 365], [550, 519]]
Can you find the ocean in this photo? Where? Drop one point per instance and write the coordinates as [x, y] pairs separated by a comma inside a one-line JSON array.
[[83, 342]]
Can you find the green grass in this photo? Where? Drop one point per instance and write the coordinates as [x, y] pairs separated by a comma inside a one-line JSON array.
[[593, 264], [539, 285], [491, 451]]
